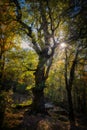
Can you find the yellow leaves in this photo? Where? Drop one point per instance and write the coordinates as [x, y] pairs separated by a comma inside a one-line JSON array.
[[8, 46], [29, 87], [58, 65], [7, 37], [20, 81], [84, 76], [3, 27], [26, 103], [6, 12], [44, 125]]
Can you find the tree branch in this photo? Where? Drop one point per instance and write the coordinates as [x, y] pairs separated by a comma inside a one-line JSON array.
[[29, 28], [48, 67], [29, 69]]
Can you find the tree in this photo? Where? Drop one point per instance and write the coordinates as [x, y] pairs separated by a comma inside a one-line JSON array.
[[70, 68], [41, 29], [78, 32], [6, 44], [69, 81], [16, 69], [6, 35]]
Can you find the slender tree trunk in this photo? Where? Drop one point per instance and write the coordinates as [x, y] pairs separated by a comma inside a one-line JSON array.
[[2, 64], [83, 100], [2, 96], [69, 83], [70, 104], [2, 108]]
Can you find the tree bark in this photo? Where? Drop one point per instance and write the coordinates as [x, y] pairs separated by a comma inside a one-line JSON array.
[[70, 104], [69, 83], [2, 64], [38, 105], [41, 75], [2, 108]]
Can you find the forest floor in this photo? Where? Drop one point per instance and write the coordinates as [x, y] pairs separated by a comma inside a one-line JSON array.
[[19, 119]]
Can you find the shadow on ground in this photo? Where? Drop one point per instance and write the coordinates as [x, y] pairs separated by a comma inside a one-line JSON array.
[[20, 119]]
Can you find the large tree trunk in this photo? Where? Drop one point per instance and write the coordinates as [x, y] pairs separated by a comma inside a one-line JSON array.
[[41, 75], [38, 105]]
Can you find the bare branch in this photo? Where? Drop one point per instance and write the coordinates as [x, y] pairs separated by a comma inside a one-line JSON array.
[[48, 67], [51, 24], [19, 14], [28, 69], [44, 23]]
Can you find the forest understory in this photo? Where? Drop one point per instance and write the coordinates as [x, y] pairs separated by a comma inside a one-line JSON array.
[[19, 118]]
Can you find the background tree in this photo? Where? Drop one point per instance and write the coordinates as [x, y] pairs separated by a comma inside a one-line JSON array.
[[6, 44]]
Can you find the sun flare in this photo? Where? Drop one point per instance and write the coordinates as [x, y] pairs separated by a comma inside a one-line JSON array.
[[63, 45], [24, 45]]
